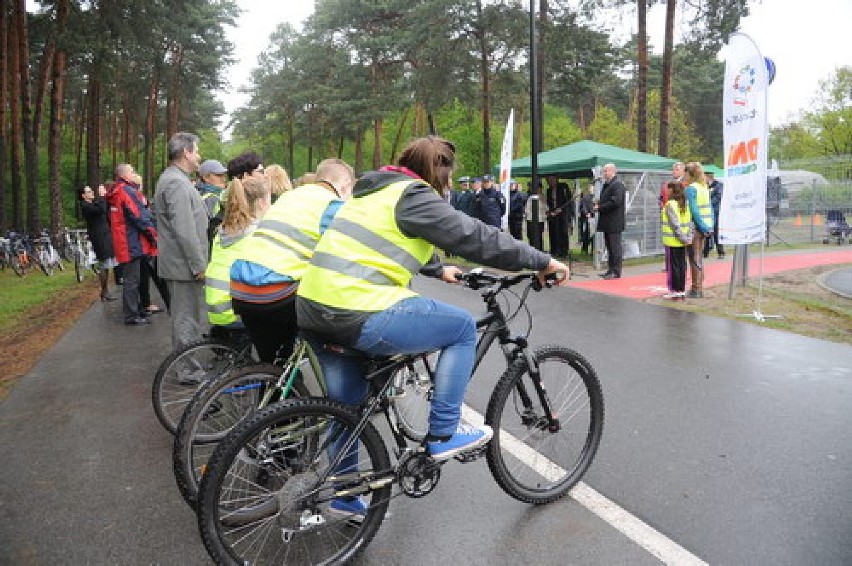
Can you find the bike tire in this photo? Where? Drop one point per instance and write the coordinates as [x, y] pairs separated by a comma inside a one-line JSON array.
[[214, 411], [185, 370], [530, 463], [44, 263], [17, 266], [268, 467], [79, 269]]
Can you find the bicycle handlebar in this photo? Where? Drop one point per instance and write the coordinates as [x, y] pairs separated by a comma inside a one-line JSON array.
[[478, 278]]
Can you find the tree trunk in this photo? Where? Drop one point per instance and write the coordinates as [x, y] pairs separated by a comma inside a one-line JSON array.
[[18, 221], [666, 93], [398, 137], [30, 153], [291, 140], [377, 148], [359, 150], [175, 94], [44, 73], [81, 121], [150, 132], [93, 129], [642, 78], [4, 85], [55, 132]]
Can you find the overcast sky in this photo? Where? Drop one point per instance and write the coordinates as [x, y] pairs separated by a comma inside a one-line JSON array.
[[806, 39]]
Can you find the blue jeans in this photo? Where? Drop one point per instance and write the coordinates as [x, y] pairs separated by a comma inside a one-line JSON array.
[[412, 326]]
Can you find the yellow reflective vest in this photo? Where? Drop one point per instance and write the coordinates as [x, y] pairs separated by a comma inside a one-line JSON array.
[[685, 220], [285, 239], [217, 281], [702, 199], [364, 262]]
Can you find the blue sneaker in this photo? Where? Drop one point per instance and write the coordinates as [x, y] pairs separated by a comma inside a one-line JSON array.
[[466, 437], [351, 508]]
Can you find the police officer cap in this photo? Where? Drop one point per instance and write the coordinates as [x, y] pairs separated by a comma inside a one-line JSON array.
[[488, 177], [464, 179], [477, 179]]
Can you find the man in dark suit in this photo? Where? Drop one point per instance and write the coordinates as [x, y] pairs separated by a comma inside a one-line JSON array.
[[610, 208], [558, 202]]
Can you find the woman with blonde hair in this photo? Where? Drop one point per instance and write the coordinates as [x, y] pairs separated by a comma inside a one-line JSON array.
[[280, 180], [677, 237], [248, 200], [698, 201]]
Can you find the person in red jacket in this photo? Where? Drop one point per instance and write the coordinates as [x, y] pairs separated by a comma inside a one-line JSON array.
[[134, 238]]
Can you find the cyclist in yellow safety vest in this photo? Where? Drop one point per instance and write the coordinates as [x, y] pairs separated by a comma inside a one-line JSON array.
[[698, 199], [676, 221], [356, 290], [248, 200], [265, 276]]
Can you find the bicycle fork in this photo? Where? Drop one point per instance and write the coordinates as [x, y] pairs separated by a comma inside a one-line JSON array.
[[548, 421]]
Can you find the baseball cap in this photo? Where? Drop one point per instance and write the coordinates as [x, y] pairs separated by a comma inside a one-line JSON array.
[[211, 167]]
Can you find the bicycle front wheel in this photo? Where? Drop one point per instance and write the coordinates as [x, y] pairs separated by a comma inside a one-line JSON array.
[[266, 497], [216, 409], [184, 371], [44, 263], [533, 459]]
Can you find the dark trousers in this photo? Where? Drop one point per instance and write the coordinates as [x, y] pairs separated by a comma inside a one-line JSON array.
[[516, 228], [676, 268], [130, 290], [269, 325], [585, 233], [558, 231], [614, 253], [535, 236], [144, 284]]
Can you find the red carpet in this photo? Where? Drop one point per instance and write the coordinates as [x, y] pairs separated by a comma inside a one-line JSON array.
[[716, 273]]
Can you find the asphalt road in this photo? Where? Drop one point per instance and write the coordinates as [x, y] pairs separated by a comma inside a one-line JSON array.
[[729, 439]]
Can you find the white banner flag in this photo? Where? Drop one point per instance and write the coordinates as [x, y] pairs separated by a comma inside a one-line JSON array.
[[742, 215], [506, 164]]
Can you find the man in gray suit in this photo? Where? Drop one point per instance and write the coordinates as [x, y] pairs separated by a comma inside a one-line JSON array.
[[182, 228]]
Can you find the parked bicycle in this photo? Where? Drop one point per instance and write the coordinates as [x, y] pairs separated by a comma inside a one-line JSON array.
[[19, 253], [45, 255], [82, 254], [266, 493]]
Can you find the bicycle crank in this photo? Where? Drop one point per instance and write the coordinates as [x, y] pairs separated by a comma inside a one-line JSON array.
[[418, 474]]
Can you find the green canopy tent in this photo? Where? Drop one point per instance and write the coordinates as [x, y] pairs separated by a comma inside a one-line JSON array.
[[577, 160], [717, 171]]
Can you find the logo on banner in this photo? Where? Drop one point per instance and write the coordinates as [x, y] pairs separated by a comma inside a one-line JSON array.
[[742, 157], [743, 84]]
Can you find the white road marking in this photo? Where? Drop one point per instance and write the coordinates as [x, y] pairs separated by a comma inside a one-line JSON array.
[[656, 543]]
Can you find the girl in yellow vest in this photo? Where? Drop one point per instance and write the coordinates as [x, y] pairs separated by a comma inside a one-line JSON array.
[[677, 236], [698, 200], [356, 290], [248, 201]]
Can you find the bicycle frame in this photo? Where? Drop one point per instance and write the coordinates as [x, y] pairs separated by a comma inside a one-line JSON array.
[[493, 327]]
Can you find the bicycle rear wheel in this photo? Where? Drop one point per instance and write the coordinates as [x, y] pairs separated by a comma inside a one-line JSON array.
[[17, 266], [529, 459], [184, 371], [215, 410], [262, 501]]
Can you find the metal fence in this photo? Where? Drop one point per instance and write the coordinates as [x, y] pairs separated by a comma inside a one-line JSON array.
[[821, 213]]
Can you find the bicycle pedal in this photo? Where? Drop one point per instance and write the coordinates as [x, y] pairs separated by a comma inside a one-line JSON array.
[[472, 455]]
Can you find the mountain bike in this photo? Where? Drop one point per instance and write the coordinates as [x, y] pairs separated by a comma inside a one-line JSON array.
[[187, 369], [267, 489], [222, 403]]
